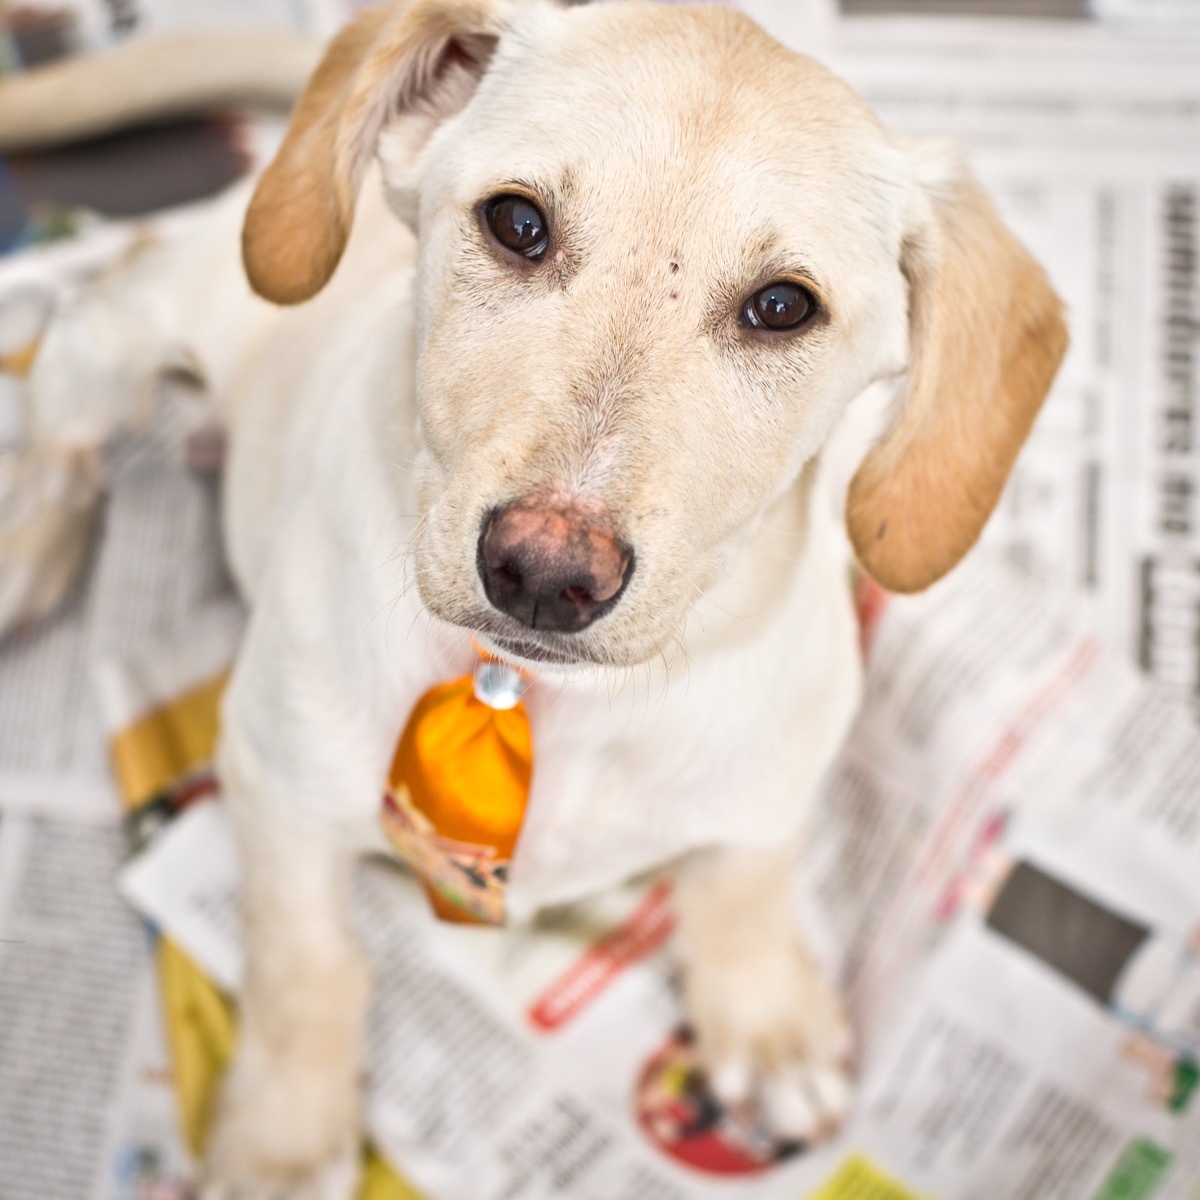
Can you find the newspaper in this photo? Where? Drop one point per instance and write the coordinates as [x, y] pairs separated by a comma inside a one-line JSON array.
[[1013, 765], [1001, 877], [85, 1102], [88, 1109], [1090, 145]]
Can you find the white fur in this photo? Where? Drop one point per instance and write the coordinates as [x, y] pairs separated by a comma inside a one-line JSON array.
[[371, 428]]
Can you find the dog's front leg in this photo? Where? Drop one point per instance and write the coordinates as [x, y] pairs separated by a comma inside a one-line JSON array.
[[287, 1124], [769, 1029]]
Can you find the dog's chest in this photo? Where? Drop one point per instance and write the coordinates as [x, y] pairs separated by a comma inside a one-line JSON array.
[[627, 778]]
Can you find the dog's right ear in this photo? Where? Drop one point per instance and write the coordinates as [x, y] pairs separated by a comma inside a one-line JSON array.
[[987, 335], [421, 56]]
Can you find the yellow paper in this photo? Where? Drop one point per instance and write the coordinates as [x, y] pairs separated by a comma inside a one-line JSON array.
[[167, 743], [858, 1179], [20, 361], [200, 1033]]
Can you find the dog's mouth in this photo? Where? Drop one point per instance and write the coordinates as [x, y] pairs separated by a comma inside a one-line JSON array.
[[526, 653], [524, 649]]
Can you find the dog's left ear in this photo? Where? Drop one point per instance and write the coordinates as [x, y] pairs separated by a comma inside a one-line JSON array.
[[986, 336], [410, 56]]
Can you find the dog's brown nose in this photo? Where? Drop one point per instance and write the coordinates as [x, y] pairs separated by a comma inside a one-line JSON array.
[[552, 567]]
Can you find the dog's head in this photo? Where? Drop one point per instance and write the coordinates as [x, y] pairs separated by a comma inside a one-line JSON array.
[[660, 254]]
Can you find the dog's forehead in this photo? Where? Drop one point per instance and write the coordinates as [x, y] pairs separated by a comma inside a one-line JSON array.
[[649, 113]]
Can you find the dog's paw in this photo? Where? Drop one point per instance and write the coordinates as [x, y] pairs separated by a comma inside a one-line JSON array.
[[772, 1034], [283, 1135], [48, 506]]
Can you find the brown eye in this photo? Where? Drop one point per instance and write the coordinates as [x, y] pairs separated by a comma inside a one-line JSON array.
[[779, 307], [518, 225]]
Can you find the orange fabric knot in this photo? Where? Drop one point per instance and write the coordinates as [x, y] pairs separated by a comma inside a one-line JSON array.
[[456, 797]]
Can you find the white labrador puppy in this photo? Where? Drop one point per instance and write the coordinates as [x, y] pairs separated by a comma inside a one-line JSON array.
[[587, 416]]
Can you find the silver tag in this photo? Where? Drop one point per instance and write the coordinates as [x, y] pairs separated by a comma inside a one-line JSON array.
[[497, 684]]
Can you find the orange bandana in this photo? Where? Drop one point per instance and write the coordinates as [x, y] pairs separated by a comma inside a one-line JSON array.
[[457, 791]]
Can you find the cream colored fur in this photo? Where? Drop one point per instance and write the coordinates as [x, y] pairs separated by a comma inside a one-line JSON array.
[[684, 159]]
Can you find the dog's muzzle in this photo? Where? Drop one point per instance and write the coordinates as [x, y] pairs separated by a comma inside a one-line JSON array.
[[552, 567]]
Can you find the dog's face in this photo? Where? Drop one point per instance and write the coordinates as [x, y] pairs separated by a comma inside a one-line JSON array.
[[660, 254], [694, 182]]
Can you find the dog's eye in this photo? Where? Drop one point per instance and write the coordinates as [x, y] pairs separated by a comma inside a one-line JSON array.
[[779, 307], [518, 225]]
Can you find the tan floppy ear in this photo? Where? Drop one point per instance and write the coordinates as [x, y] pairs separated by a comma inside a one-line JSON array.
[[986, 336], [413, 55]]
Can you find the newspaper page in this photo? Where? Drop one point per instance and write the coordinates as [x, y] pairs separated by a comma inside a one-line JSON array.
[[86, 1109], [1089, 143], [1002, 879], [87, 1103]]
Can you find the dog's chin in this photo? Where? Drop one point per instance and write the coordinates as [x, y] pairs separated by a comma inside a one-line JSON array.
[[531, 650], [531, 655], [553, 654]]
